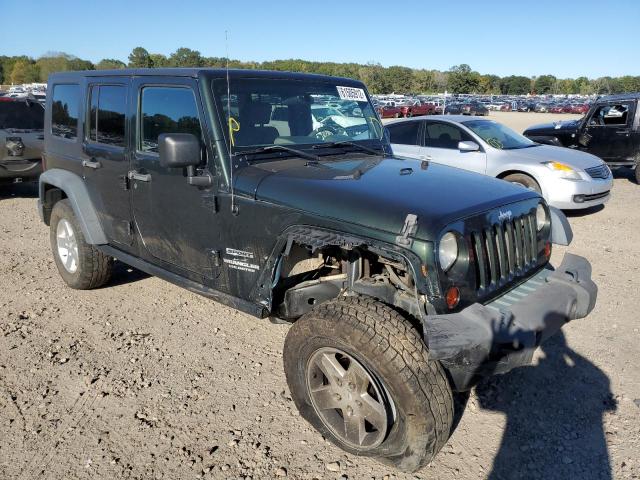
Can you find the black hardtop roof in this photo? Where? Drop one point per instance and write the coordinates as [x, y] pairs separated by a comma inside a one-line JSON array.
[[198, 72], [619, 96]]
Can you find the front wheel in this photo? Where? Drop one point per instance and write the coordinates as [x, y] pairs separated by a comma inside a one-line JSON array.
[[525, 181], [360, 374]]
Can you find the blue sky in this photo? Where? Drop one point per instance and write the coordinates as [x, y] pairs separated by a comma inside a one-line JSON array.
[[566, 38]]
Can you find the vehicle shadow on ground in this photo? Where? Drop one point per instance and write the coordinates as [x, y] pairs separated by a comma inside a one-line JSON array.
[[583, 212], [554, 413], [124, 274], [624, 172], [19, 190]]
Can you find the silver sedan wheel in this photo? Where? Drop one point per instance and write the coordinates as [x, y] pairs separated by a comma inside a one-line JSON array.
[[67, 244], [347, 398]]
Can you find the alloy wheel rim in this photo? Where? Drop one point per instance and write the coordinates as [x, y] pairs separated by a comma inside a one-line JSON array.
[[348, 399], [67, 244]]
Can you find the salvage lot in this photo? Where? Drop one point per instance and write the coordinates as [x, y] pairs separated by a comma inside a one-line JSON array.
[[143, 379]]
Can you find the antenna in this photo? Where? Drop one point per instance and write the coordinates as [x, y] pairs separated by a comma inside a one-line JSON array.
[[234, 208]]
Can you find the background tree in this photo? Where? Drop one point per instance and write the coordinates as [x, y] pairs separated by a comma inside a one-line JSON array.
[[463, 80], [139, 58], [515, 85], [545, 84], [110, 64], [24, 71], [158, 60], [185, 57], [52, 62]]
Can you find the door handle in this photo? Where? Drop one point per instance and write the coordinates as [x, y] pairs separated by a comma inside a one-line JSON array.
[[622, 132], [140, 177], [93, 163], [426, 157]]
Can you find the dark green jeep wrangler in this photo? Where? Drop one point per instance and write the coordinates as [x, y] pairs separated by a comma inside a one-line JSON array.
[[276, 193]]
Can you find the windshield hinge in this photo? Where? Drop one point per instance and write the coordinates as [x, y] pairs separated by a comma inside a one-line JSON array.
[[410, 228]]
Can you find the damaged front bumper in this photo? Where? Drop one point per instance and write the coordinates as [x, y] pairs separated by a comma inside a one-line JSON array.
[[483, 340]]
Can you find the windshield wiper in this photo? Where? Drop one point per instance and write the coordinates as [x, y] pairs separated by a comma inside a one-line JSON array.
[[347, 143], [281, 148]]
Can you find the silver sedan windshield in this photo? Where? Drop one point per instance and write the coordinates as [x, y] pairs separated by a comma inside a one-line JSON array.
[[498, 136]]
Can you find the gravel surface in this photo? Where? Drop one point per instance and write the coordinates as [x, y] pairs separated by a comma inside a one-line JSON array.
[[142, 379]]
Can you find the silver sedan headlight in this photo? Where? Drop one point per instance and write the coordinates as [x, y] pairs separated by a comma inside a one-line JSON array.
[[448, 250], [563, 170], [541, 217]]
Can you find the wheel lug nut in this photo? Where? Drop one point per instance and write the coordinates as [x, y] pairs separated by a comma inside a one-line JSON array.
[[337, 396], [349, 411], [358, 403]]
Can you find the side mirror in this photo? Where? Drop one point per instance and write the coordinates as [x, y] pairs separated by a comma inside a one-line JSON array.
[[468, 146], [178, 150]]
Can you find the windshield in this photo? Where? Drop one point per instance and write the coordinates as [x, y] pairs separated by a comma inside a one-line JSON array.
[[20, 115], [267, 112], [498, 136]]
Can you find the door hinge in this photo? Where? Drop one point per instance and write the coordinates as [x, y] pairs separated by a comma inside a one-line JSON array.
[[410, 228], [124, 182], [210, 202], [129, 228], [215, 258]]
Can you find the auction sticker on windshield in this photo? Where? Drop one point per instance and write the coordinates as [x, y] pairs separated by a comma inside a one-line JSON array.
[[351, 93]]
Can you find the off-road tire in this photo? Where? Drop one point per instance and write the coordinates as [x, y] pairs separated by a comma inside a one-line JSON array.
[[94, 268], [637, 173], [524, 180], [393, 352]]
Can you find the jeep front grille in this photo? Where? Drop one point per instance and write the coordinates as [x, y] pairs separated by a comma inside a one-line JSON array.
[[504, 251], [601, 171]]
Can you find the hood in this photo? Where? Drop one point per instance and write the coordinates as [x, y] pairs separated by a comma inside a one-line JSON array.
[[545, 153], [549, 128], [378, 193]]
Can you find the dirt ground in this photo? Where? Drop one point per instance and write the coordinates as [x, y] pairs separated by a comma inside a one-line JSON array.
[[142, 379]]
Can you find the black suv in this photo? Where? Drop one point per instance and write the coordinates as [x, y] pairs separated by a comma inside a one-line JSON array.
[[276, 193], [610, 130], [21, 140]]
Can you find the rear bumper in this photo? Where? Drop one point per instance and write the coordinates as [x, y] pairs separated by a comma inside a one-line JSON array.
[[483, 340], [20, 169]]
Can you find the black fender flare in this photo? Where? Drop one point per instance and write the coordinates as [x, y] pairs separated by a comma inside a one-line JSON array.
[[76, 191]]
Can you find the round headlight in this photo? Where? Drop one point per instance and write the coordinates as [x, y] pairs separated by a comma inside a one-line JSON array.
[[541, 217], [448, 250]]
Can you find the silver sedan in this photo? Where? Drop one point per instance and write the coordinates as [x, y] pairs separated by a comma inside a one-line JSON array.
[[566, 178]]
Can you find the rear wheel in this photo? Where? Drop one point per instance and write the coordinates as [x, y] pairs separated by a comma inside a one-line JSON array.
[[360, 374], [81, 265], [524, 180]]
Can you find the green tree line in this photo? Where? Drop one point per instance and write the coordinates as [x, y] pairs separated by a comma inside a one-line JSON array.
[[379, 79]]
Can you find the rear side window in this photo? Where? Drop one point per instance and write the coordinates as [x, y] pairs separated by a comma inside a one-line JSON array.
[[166, 110], [404, 133], [65, 107], [22, 115], [107, 114]]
